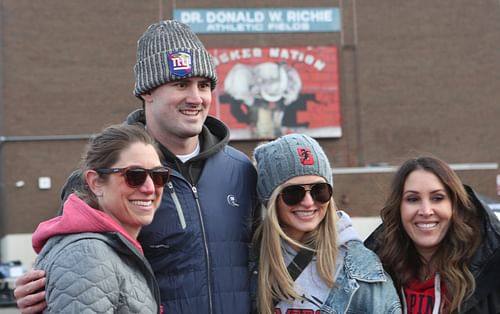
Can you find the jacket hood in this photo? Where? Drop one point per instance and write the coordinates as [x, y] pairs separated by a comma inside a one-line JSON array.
[[77, 217], [485, 261], [345, 230], [490, 232]]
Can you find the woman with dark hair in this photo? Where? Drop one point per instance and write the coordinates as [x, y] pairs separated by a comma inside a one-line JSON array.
[[438, 242], [93, 261]]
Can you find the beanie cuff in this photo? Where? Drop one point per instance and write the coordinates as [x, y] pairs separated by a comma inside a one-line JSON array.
[[154, 70]]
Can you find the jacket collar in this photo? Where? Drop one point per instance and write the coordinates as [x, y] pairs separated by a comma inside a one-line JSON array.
[[360, 265]]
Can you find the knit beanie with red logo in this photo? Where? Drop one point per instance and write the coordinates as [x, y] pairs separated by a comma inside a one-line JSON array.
[[289, 156], [170, 51]]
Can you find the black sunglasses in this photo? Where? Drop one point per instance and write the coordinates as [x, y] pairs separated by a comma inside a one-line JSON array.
[[294, 194], [136, 176]]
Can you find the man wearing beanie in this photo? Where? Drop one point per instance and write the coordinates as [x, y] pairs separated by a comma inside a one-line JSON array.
[[198, 241]]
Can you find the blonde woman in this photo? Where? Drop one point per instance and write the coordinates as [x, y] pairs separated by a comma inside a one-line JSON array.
[[299, 215]]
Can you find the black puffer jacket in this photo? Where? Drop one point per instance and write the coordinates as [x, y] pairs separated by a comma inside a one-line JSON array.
[[485, 264]]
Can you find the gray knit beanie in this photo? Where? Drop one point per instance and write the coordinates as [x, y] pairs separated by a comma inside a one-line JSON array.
[[169, 51], [289, 156]]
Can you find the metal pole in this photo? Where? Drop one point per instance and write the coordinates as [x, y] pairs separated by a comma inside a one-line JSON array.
[[357, 103], [2, 115], [39, 138]]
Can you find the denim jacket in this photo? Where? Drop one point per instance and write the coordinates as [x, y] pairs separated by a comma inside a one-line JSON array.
[[362, 286]]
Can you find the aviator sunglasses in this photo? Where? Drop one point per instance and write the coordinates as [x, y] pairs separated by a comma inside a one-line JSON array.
[[136, 176], [294, 194]]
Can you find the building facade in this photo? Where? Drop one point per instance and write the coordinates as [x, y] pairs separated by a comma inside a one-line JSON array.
[[411, 78]]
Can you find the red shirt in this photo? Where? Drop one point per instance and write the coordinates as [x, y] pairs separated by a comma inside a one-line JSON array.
[[420, 296]]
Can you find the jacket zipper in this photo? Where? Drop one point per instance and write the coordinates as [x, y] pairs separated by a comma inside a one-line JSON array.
[[195, 192], [177, 204], [151, 281]]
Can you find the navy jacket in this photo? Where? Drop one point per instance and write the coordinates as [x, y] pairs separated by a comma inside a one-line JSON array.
[[199, 239]]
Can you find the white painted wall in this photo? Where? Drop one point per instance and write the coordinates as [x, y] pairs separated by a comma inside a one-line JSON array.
[[365, 225], [17, 247]]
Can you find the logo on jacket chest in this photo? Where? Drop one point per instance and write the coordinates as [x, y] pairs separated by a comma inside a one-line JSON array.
[[232, 201]]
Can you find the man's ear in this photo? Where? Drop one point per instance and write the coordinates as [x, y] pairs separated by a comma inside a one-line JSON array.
[[147, 97], [93, 181]]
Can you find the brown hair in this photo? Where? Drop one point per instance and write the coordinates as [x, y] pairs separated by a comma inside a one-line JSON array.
[[451, 260], [104, 149]]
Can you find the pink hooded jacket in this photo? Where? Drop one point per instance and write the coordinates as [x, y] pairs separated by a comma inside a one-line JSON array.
[[78, 217]]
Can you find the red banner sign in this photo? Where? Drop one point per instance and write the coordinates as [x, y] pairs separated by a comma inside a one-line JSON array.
[[265, 92]]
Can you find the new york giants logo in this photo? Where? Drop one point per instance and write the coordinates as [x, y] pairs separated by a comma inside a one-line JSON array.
[[306, 156], [180, 63]]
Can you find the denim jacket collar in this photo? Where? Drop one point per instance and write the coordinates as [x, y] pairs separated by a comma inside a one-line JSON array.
[[361, 267]]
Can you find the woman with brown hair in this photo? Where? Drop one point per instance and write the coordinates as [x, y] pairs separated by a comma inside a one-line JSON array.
[[91, 255], [440, 245]]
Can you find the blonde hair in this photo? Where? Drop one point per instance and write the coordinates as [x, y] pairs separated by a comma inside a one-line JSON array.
[[274, 281]]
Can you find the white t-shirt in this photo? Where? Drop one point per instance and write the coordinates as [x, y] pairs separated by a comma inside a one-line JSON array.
[[195, 153]]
